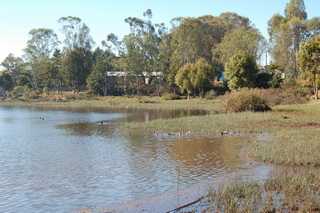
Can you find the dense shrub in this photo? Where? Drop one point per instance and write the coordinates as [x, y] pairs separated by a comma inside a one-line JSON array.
[[263, 80], [246, 100], [287, 95], [6, 81], [19, 91], [24, 92]]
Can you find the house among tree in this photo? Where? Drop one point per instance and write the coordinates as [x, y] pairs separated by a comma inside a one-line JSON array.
[[120, 82]]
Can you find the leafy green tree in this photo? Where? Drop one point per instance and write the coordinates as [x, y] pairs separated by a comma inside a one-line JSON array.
[[189, 42], [194, 38], [296, 9], [76, 33], [102, 63], [56, 74], [195, 77], [139, 51], [42, 43], [40, 47], [6, 81], [309, 60], [286, 34], [14, 66], [77, 55], [96, 80], [183, 79], [202, 76], [76, 65], [240, 71], [240, 40]]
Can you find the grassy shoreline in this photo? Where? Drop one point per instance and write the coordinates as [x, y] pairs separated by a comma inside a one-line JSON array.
[[291, 132], [100, 103]]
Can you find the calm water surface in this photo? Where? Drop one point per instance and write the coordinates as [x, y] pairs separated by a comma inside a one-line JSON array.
[[63, 161]]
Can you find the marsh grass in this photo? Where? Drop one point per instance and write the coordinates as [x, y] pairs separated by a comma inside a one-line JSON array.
[[284, 193], [293, 129]]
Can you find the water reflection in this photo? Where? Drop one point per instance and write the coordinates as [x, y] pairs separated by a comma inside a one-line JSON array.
[[86, 163]]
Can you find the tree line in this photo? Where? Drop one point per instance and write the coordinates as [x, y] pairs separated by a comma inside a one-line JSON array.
[[193, 55]]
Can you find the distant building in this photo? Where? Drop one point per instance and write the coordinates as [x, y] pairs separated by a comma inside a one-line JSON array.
[[117, 82]]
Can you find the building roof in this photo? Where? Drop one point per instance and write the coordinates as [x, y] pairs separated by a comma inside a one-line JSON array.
[[122, 74]]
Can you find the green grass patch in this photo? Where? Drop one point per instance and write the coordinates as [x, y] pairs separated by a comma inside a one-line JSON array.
[[148, 103]]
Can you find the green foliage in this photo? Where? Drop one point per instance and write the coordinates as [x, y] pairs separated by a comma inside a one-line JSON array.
[[96, 80], [76, 65], [287, 33], [195, 77], [296, 9], [20, 91], [14, 65], [309, 60], [240, 40], [240, 71], [42, 44], [264, 80], [202, 76], [246, 100], [6, 81], [183, 79]]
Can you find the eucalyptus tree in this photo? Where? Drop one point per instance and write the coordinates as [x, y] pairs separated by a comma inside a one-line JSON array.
[[194, 38], [244, 40], [40, 47], [309, 61], [77, 55], [138, 53], [288, 32], [102, 62]]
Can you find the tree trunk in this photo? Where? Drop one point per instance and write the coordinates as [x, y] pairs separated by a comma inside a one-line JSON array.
[[315, 86]]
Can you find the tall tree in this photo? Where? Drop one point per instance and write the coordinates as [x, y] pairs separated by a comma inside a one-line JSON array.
[[40, 47], [77, 55], [240, 40], [286, 34], [309, 61], [76, 33], [76, 65], [42, 43], [296, 9], [102, 63]]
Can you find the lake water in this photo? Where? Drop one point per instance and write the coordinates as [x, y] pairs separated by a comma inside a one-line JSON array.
[[66, 161]]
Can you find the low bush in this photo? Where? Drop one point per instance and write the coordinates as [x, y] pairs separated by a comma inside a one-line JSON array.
[[170, 96], [286, 95], [146, 100], [19, 91], [246, 100]]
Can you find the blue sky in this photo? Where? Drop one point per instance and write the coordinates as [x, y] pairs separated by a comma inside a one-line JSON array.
[[17, 17]]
